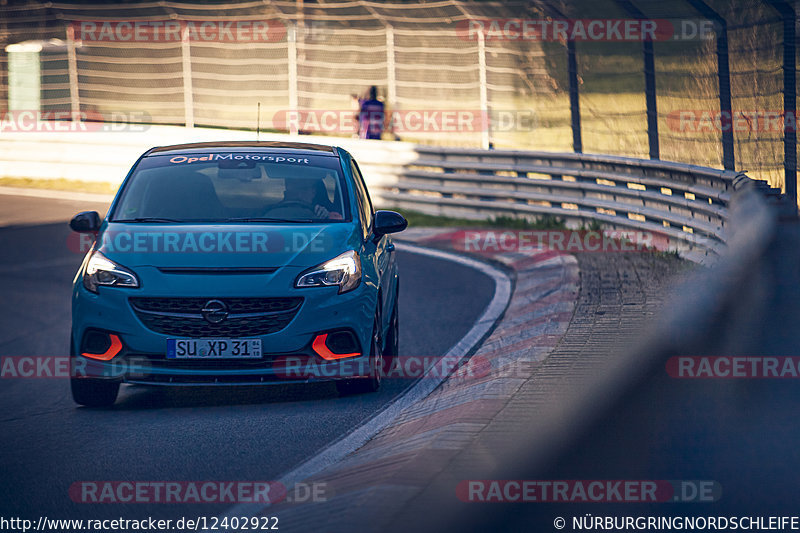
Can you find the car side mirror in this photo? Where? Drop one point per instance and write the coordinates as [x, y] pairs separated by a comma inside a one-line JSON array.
[[388, 222], [85, 222]]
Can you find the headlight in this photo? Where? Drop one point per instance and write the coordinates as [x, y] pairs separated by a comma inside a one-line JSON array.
[[343, 270], [101, 270]]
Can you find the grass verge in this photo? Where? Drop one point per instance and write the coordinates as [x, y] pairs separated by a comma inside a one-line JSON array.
[[415, 218]]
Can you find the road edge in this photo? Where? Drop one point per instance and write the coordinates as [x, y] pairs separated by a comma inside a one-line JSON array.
[[347, 444]]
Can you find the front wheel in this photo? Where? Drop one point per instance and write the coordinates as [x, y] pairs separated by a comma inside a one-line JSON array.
[[94, 392], [371, 383], [392, 346]]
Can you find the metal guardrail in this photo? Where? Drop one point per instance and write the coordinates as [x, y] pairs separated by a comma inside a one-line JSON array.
[[624, 416], [687, 204]]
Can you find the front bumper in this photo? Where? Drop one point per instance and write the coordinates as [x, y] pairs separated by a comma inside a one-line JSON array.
[[287, 353], [154, 369]]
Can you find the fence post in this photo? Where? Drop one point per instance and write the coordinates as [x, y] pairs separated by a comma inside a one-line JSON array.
[[72, 74], [723, 68], [574, 89], [188, 91], [4, 38], [291, 51], [649, 83], [650, 99], [789, 99], [391, 80], [724, 78], [484, 94], [574, 97]]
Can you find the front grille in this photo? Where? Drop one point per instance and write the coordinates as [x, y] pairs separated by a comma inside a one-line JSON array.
[[198, 327], [182, 317], [235, 305]]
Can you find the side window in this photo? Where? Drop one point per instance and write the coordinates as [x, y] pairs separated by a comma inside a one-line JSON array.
[[364, 203]]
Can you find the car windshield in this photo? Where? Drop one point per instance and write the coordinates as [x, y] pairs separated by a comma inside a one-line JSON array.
[[233, 187]]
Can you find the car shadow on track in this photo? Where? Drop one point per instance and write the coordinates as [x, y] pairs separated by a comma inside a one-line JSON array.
[[143, 397]]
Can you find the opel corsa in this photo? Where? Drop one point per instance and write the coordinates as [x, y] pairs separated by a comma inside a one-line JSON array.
[[236, 263]]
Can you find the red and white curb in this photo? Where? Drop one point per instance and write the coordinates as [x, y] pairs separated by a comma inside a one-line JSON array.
[[374, 471]]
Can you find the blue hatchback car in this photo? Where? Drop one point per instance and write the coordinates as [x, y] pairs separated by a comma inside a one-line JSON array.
[[236, 263]]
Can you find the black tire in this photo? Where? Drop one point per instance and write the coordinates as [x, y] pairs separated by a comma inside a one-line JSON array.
[[391, 349], [91, 392], [347, 387], [94, 392]]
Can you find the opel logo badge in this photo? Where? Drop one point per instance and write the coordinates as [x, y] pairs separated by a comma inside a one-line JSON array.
[[215, 311]]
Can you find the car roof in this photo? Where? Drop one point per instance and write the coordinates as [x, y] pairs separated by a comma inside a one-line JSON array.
[[250, 146]]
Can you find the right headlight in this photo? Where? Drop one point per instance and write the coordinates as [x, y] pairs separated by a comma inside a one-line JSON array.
[[101, 270], [343, 270]]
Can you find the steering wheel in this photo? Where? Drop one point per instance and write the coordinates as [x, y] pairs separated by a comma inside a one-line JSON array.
[[293, 204]]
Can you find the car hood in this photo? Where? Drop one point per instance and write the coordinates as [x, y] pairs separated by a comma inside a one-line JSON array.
[[225, 245]]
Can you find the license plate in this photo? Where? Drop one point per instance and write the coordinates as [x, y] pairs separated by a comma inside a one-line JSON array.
[[213, 348]]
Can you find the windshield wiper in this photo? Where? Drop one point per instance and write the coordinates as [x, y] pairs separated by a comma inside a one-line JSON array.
[[269, 219], [157, 220], [148, 219]]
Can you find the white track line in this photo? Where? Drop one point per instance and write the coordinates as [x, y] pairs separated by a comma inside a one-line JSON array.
[[339, 449]]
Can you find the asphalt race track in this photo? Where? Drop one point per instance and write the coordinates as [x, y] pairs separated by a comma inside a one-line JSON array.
[[163, 434]]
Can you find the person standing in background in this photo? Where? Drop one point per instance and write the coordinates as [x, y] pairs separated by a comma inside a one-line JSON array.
[[371, 116]]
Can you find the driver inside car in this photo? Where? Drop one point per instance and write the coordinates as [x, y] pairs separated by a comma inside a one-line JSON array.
[[312, 193]]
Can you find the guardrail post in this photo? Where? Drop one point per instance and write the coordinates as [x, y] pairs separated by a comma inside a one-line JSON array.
[[649, 83], [789, 100], [291, 51], [484, 94], [724, 77], [188, 92], [72, 74]]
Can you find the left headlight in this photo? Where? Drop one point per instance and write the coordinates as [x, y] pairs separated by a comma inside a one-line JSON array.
[[343, 270], [101, 270]]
